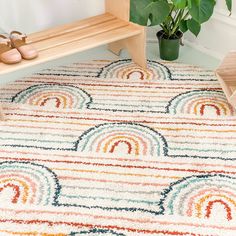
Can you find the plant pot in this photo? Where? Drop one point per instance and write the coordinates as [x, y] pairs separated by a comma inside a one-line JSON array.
[[169, 47]]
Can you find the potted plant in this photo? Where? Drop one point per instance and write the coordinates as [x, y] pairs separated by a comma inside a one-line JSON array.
[[175, 17]]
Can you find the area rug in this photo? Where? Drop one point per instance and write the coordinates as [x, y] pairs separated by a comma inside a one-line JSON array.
[[106, 148]]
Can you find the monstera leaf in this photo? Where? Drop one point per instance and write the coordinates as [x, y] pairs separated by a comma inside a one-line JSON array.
[[202, 10], [193, 26], [229, 4], [149, 12]]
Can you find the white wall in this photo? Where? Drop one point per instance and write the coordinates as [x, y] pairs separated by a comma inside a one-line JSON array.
[[34, 15], [218, 36]]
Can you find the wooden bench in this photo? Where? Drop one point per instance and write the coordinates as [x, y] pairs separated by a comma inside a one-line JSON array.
[[112, 28], [226, 74]]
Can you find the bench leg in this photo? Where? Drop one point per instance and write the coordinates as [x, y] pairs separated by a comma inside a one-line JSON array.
[[1, 113], [136, 47], [116, 47]]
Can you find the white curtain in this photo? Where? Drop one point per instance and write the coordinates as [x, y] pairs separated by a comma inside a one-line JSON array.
[[33, 15]]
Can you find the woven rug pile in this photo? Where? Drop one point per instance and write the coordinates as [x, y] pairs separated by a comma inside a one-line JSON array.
[[105, 148]]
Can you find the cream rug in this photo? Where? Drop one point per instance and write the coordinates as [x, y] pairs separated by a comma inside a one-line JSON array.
[[105, 148]]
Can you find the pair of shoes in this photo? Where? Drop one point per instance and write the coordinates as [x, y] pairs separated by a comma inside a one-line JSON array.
[[14, 48]]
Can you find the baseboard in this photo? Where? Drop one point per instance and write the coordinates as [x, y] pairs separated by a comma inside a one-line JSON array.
[[223, 16], [2, 31]]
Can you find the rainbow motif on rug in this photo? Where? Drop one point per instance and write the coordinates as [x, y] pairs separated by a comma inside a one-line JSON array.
[[163, 88], [27, 183], [201, 103], [202, 196], [54, 96], [127, 70], [123, 138]]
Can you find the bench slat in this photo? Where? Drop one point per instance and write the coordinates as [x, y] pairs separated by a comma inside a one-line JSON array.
[[67, 28], [82, 44], [87, 32]]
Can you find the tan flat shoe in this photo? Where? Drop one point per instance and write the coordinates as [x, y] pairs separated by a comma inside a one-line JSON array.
[[8, 55], [18, 41]]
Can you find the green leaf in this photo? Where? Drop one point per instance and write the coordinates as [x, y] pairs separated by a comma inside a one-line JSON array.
[[229, 4], [183, 26], [137, 14], [194, 26], [202, 10], [180, 4], [189, 3], [158, 11], [144, 10]]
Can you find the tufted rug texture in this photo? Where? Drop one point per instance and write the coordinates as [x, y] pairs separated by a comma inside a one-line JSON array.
[[106, 148]]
